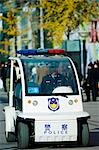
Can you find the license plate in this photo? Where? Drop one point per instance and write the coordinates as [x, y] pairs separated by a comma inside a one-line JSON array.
[[45, 129]]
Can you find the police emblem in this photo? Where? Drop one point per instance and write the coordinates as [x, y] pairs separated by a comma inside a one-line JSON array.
[[53, 104]]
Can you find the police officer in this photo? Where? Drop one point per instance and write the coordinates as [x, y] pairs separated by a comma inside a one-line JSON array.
[[51, 81]]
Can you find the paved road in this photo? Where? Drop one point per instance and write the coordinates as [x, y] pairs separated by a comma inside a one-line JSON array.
[[91, 107]]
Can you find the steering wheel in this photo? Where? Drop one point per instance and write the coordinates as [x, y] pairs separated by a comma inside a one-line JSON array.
[[63, 89]]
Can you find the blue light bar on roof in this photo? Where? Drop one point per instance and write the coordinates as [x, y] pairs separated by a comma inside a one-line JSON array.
[[27, 52], [41, 52]]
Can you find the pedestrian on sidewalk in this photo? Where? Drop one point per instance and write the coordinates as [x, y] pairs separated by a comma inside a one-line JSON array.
[[89, 81], [95, 81], [92, 81], [1, 85], [3, 74], [8, 77]]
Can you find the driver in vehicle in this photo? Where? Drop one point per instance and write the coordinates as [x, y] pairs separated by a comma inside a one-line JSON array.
[[51, 81]]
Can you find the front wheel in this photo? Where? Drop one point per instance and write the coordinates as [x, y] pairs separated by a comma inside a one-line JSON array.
[[85, 134], [23, 135]]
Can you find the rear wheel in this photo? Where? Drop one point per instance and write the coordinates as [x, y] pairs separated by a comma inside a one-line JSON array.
[[10, 137], [23, 135]]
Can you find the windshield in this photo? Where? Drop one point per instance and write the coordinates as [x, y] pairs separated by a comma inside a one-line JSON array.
[[49, 76]]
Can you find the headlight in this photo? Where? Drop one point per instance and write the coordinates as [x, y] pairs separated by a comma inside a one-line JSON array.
[[35, 103], [70, 102]]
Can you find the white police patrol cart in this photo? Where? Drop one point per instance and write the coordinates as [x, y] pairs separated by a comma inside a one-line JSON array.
[[45, 102]]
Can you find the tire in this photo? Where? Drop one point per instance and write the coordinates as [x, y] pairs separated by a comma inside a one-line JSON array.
[[10, 137], [85, 135], [23, 135]]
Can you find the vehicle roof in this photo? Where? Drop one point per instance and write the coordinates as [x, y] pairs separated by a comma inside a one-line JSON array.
[[39, 57]]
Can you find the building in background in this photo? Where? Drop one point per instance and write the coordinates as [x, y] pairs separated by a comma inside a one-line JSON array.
[[92, 42], [83, 45]]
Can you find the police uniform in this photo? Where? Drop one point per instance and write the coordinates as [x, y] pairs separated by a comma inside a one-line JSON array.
[[49, 83]]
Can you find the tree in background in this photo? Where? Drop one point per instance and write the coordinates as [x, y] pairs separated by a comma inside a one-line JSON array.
[[9, 29], [11, 17], [64, 16]]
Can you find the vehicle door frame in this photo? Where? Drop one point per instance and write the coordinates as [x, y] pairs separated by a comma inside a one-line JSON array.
[[11, 92]]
